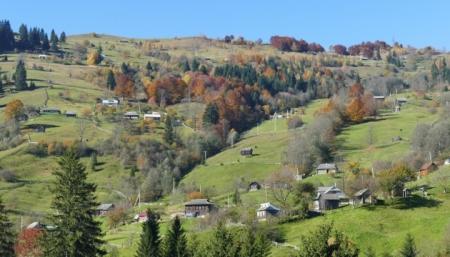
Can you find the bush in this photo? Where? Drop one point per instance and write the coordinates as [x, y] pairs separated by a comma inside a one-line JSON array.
[[295, 122]]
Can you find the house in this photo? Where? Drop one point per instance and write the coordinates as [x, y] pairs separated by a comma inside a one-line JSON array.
[[156, 116], [326, 168], [328, 198], [50, 110], [104, 209], [71, 114], [427, 168], [254, 186], [267, 210], [362, 197], [379, 98], [131, 115], [110, 102], [43, 56], [198, 207], [248, 151]]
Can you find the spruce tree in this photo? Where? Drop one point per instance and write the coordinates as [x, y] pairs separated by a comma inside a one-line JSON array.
[[75, 233], [254, 244], [222, 243], [169, 136], [195, 65], [53, 37], [7, 237], [45, 43], [176, 244], [62, 37], [185, 66], [150, 244], [211, 114], [110, 80], [23, 37], [20, 76], [409, 247]]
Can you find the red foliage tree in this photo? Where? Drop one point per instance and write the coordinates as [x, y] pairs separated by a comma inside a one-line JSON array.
[[340, 49], [27, 244]]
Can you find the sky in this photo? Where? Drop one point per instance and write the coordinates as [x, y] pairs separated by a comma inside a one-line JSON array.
[[328, 22]]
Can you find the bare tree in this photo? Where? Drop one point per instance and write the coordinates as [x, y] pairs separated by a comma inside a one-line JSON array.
[[281, 185]]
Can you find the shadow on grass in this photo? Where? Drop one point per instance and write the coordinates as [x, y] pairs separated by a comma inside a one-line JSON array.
[[415, 201]]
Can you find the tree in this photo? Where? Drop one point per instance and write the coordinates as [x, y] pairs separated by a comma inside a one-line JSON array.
[[324, 242], [62, 37], [23, 37], [211, 114], [27, 244], [222, 243], [370, 252], [7, 237], [76, 233], [45, 43], [20, 76], [110, 80], [185, 66], [53, 37], [149, 246], [14, 109], [355, 110], [93, 163], [176, 244], [409, 247], [255, 244], [169, 135], [281, 186]]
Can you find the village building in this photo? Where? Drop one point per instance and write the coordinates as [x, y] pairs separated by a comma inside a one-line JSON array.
[[104, 209], [156, 116], [36, 225], [131, 115], [50, 110], [110, 102], [198, 208], [379, 98], [363, 196], [71, 114], [247, 151], [329, 198], [427, 168], [327, 168], [401, 101], [254, 186], [267, 210]]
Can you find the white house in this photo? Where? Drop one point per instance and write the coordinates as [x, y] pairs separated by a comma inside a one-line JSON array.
[[326, 168], [110, 102], [152, 116], [267, 210]]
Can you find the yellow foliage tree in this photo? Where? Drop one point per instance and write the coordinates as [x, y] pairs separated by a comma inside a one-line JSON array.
[[13, 109]]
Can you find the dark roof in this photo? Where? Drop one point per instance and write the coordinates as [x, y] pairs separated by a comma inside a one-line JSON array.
[[199, 202], [362, 192], [105, 207], [427, 165], [327, 166], [268, 207], [330, 193]]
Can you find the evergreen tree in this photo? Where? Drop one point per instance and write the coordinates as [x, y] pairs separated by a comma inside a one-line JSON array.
[[409, 247], [23, 37], [76, 233], [254, 244], [185, 66], [62, 37], [54, 46], [45, 43], [222, 243], [20, 76], [7, 42], [110, 80], [176, 244], [204, 70], [149, 246], [7, 237], [169, 135], [211, 114], [53, 37], [195, 65], [93, 160]]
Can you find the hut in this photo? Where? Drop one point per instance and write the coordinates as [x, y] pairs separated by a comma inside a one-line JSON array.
[[254, 186], [247, 151], [198, 208], [326, 168], [267, 210], [328, 198]]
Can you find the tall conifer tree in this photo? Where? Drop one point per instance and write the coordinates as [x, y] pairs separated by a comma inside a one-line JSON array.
[[176, 244], [150, 244], [7, 237]]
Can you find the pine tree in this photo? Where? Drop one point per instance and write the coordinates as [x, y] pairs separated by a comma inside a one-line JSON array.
[[169, 136], [211, 114], [110, 80], [23, 37], [93, 160], [195, 65], [254, 244], [45, 43], [62, 37], [222, 243], [53, 37], [76, 233], [7, 237], [185, 66], [150, 243], [176, 244], [409, 247], [54, 46], [20, 76]]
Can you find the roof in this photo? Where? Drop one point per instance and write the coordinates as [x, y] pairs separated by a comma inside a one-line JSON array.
[[131, 114], [378, 96], [254, 183], [427, 165], [330, 193], [34, 225], [268, 207], [362, 192], [247, 149], [105, 207], [198, 202], [71, 113], [401, 99], [327, 166], [153, 115]]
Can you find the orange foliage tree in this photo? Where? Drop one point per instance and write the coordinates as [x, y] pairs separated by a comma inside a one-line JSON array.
[[27, 244], [124, 86], [13, 109], [355, 110]]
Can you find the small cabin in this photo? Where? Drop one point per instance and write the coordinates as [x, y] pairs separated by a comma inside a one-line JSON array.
[[110, 102], [71, 114], [156, 116], [363, 196], [248, 151], [267, 210], [104, 209], [329, 198], [198, 208], [379, 98], [254, 186], [131, 115], [427, 168], [327, 168], [50, 110]]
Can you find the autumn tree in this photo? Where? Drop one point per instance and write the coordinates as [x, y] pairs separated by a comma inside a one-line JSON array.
[[355, 110], [95, 57], [14, 109], [392, 181], [28, 243]]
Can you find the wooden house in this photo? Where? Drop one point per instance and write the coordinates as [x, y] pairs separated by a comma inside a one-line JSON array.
[[198, 208], [131, 115], [71, 114], [156, 116], [254, 186], [267, 210], [104, 209], [427, 168], [326, 168], [110, 102], [363, 196], [328, 198]]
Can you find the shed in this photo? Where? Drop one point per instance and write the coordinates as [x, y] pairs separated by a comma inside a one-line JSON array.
[[198, 207], [326, 168], [110, 102], [254, 186], [71, 114], [248, 151], [131, 115], [156, 116], [104, 209], [267, 210], [427, 168], [328, 198], [363, 196], [379, 98], [50, 110]]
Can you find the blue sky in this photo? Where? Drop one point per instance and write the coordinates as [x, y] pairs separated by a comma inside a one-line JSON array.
[[417, 23]]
